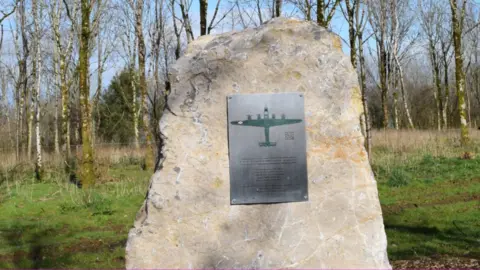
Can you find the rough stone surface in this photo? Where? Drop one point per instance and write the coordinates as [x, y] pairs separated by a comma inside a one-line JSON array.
[[187, 220]]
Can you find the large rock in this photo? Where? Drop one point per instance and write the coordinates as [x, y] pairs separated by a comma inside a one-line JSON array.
[[187, 220]]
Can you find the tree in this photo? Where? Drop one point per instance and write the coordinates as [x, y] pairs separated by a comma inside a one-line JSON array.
[[184, 9], [431, 18], [22, 82], [278, 8], [115, 115], [87, 176], [129, 42], [458, 16], [378, 22], [356, 27], [325, 11], [396, 37], [138, 7], [64, 47], [203, 17], [36, 89], [446, 44]]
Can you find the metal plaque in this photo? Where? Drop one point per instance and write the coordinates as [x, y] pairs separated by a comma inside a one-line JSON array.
[[267, 148]]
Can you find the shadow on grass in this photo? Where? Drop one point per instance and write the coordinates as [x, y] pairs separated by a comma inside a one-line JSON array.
[[431, 242], [32, 248]]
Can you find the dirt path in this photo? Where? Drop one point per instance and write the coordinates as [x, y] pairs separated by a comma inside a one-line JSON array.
[[437, 263]]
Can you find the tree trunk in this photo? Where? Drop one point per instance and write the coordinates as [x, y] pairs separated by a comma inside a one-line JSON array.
[[383, 84], [33, 94], [135, 109], [203, 17], [363, 85], [38, 163], [399, 67], [459, 72], [308, 10], [55, 94], [31, 113], [476, 79], [65, 96], [31, 116], [186, 21], [321, 14], [149, 157], [467, 96], [351, 31], [55, 126], [36, 90], [176, 31], [87, 165], [395, 110], [447, 87], [22, 81], [96, 98], [64, 56], [436, 80], [278, 8], [259, 12], [404, 94]]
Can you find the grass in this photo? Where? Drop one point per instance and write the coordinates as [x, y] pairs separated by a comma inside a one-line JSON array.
[[429, 195], [54, 224], [430, 199]]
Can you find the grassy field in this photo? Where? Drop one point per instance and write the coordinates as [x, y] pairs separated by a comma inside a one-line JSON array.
[[429, 191], [430, 194], [53, 224]]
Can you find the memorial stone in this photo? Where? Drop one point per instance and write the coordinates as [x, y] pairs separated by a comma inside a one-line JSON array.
[[328, 216]]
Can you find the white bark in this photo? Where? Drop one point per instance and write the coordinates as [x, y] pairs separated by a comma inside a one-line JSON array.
[[36, 93], [38, 163], [397, 63]]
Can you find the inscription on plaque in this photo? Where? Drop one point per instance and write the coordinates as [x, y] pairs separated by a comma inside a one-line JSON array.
[[267, 148]]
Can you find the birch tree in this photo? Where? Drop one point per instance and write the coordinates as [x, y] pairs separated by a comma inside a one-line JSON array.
[[56, 83], [37, 70], [138, 8], [457, 17], [185, 9], [395, 51], [22, 82], [357, 21], [64, 47], [431, 17], [129, 45], [378, 22], [446, 55]]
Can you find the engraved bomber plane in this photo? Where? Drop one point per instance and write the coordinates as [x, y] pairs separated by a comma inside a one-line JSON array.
[[266, 123]]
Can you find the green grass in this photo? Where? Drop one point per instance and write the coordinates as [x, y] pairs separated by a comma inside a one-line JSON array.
[[55, 224], [431, 206]]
